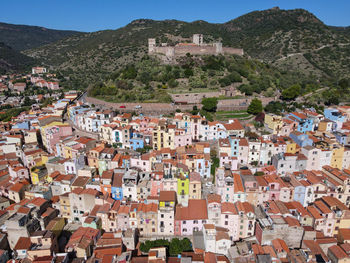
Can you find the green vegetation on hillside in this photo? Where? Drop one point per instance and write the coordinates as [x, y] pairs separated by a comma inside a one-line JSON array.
[[22, 37], [293, 40], [148, 80], [12, 60], [7, 114]]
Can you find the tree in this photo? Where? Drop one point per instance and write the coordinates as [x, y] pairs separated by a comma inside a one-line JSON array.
[[209, 104], [255, 106], [292, 92], [275, 107], [27, 101], [188, 72], [194, 110]]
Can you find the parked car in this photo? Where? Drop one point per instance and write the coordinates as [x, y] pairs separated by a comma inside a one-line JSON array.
[[138, 107], [122, 107]]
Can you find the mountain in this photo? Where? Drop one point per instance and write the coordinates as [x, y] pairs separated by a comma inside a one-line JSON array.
[[13, 60], [288, 39], [22, 37]]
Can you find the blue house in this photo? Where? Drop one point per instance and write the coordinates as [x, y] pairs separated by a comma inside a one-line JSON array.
[[342, 138], [305, 123], [301, 139], [336, 116], [234, 143], [299, 194], [136, 142], [24, 125], [74, 111], [117, 187]]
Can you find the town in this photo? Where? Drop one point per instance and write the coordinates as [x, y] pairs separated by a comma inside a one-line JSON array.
[[82, 183]]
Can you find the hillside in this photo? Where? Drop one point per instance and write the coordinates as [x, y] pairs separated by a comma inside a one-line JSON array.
[[22, 37], [12, 60], [148, 80], [272, 35]]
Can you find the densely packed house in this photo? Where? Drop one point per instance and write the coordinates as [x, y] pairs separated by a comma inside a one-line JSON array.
[[97, 186]]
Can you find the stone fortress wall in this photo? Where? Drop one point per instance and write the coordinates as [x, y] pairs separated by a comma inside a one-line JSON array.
[[197, 47]]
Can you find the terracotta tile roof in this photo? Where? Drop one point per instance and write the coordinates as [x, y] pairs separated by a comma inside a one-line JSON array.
[[243, 142], [235, 125], [16, 187], [344, 233], [81, 181], [238, 184], [244, 207], [194, 176], [227, 207], [338, 252], [213, 198], [280, 245], [23, 243], [167, 196], [196, 209], [291, 221], [84, 140], [314, 212], [38, 201]]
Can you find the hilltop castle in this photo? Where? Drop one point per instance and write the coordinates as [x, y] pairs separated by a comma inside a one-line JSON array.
[[197, 47]]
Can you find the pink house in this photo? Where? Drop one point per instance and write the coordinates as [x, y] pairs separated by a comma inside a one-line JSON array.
[[328, 216], [190, 218], [123, 217], [142, 163], [274, 187], [228, 161], [156, 187], [182, 138], [54, 134], [20, 172], [239, 219], [263, 194], [285, 191], [243, 152], [214, 208], [229, 219]]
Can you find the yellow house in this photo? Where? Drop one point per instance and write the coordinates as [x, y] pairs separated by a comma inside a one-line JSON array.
[[38, 174], [274, 122], [291, 147], [337, 157], [163, 136], [67, 152], [65, 206], [106, 132]]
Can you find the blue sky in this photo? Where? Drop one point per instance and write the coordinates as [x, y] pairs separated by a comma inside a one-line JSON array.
[[93, 15]]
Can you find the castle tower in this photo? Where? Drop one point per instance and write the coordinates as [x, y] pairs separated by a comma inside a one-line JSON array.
[[198, 39], [151, 45]]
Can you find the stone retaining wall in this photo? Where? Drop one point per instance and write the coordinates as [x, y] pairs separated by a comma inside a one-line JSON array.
[[166, 108]]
